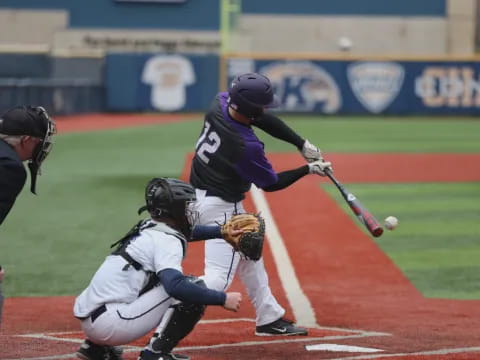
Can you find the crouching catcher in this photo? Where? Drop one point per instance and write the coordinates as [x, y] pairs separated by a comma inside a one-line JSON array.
[[140, 285]]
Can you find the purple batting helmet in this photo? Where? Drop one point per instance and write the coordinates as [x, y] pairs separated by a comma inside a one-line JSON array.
[[251, 93]]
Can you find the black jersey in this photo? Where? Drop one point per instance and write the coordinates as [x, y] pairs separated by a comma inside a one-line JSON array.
[[229, 157], [12, 178]]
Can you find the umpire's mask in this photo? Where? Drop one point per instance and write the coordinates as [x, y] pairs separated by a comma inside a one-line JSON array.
[[42, 150]]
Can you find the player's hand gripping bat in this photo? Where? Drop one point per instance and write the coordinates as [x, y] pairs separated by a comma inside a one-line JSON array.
[[365, 217]]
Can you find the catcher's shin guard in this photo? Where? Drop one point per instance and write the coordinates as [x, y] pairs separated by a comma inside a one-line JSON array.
[[177, 322]]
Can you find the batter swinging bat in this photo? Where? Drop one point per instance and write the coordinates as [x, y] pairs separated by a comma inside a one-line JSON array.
[[358, 209]]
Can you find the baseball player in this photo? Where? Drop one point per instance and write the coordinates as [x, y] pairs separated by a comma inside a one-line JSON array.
[[26, 133], [228, 159], [140, 286]]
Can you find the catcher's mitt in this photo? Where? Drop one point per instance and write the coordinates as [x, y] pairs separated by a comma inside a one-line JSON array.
[[250, 241]]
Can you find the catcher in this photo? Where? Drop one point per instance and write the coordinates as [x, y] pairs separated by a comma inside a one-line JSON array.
[[140, 285]]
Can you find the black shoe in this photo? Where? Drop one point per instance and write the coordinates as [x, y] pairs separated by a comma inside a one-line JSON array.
[[149, 355], [113, 353], [91, 351], [280, 327]]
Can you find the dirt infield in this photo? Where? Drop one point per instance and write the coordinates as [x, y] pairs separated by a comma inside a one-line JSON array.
[[93, 122], [363, 305]]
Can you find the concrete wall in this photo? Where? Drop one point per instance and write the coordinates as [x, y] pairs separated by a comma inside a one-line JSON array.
[[461, 23], [441, 33], [373, 35], [407, 28], [111, 14], [30, 30]]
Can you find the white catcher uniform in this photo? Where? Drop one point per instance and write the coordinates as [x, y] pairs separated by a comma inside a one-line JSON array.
[[117, 284]]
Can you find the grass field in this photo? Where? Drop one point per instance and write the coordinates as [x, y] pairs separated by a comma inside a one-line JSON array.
[[93, 185]]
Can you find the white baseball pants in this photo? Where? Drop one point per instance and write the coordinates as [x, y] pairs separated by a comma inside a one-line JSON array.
[[222, 262], [122, 323]]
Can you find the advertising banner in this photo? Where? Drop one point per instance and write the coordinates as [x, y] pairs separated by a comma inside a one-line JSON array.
[[370, 87], [161, 82]]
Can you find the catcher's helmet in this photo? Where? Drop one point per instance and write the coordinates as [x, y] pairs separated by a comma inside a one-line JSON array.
[[250, 94], [171, 198]]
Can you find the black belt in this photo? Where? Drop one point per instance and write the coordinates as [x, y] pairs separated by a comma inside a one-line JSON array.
[[215, 194], [95, 313], [210, 193]]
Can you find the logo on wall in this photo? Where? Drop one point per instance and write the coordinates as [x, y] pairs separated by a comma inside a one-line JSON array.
[[375, 84], [168, 76], [303, 86], [450, 86]]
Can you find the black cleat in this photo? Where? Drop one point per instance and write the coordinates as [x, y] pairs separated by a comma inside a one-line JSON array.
[[91, 351], [149, 355], [280, 327]]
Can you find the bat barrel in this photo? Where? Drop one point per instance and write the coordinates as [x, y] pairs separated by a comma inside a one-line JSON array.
[[377, 232]]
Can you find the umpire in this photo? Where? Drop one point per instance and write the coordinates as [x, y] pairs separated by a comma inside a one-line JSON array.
[[26, 133]]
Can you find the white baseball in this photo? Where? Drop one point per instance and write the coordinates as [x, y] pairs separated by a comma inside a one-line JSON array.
[[344, 43], [391, 222]]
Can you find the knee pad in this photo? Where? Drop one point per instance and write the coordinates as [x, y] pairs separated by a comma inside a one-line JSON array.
[[182, 319]]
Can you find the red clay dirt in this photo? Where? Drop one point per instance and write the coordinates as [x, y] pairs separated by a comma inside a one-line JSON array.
[[350, 282], [95, 122]]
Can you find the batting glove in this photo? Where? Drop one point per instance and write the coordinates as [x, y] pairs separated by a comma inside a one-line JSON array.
[[310, 152], [318, 167]]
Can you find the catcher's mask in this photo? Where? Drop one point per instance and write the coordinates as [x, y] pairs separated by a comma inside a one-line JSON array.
[[171, 198], [250, 94], [35, 122]]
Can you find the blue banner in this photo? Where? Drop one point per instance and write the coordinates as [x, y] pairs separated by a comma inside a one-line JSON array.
[[161, 82], [370, 87]]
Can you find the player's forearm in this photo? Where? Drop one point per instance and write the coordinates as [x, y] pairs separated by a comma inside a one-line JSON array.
[[179, 287], [287, 178], [275, 127], [205, 232]]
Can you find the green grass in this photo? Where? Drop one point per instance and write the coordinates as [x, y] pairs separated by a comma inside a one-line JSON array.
[[437, 242], [93, 184], [390, 134]]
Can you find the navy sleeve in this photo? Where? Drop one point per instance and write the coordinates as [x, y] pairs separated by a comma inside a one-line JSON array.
[[205, 232], [287, 178], [12, 180], [180, 287], [275, 127]]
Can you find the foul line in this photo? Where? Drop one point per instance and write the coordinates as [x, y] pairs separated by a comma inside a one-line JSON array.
[[128, 349], [420, 353], [301, 306], [250, 343]]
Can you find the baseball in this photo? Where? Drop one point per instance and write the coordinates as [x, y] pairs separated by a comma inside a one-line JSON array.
[[391, 222], [344, 43]]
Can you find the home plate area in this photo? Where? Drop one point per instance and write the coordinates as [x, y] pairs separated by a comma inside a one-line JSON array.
[[211, 339]]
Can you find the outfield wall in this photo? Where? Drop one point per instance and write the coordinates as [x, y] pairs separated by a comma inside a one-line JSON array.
[[149, 82], [162, 82]]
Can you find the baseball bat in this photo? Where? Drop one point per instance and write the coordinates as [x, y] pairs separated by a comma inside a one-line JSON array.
[[365, 217]]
